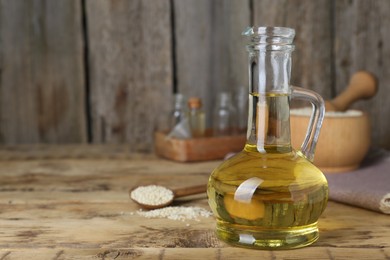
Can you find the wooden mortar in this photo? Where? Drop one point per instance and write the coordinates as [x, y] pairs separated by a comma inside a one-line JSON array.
[[344, 139], [343, 142]]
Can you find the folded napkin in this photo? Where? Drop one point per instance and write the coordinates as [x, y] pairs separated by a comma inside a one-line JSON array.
[[367, 187]]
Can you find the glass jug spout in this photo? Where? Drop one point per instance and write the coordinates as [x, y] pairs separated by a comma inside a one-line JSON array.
[[269, 58]]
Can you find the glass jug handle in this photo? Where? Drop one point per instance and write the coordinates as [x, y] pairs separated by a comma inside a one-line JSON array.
[[313, 131]]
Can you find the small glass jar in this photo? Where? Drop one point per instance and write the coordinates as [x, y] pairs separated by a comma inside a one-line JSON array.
[[179, 111], [224, 118], [196, 117]]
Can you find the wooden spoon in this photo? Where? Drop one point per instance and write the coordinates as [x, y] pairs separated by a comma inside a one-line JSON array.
[[362, 85], [177, 193]]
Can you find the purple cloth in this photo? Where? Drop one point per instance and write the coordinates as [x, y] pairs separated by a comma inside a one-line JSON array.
[[367, 187]]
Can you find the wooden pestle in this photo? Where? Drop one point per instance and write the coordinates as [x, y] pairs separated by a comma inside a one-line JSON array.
[[362, 85]]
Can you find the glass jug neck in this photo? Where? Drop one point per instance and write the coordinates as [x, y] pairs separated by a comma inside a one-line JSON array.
[[268, 123], [269, 87], [269, 59]]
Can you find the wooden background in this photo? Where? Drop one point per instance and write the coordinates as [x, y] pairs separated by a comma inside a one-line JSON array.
[[105, 71]]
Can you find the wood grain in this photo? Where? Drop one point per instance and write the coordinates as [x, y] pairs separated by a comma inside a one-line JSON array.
[[140, 52], [361, 43], [197, 149], [210, 50], [130, 70], [72, 208], [191, 253], [312, 22], [41, 72]]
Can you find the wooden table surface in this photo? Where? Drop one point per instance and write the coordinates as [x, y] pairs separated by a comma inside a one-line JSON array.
[[71, 202]]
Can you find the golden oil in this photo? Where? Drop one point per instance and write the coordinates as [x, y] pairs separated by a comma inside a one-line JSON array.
[[268, 196]]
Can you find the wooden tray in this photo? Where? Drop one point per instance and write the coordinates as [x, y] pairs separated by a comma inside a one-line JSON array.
[[197, 149]]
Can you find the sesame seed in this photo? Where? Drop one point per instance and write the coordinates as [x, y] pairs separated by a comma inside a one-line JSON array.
[[177, 213], [152, 195]]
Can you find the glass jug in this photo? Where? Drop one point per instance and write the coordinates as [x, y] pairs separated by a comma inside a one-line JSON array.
[[269, 196]]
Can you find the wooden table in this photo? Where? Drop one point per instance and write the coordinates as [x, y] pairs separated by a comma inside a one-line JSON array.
[[71, 202]]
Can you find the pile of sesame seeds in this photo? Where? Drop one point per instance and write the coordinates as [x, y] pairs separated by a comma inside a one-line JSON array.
[[177, 213], [152, 195], [306, 111], [158, 195]]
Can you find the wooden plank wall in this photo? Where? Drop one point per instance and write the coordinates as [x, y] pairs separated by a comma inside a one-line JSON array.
[[42, 81], [362, 41], [104, 71], [312, 58], [130, 62]]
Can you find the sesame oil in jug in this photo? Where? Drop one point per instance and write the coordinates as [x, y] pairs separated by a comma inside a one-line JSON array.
[[269, 196]]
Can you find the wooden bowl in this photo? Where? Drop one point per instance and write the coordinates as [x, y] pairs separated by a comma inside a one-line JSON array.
[[344, 139]]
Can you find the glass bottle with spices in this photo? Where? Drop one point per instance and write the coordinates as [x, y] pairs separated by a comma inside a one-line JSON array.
[[179, 111], [224, 118], [196, 117]]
